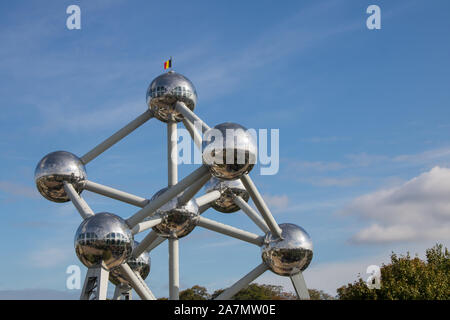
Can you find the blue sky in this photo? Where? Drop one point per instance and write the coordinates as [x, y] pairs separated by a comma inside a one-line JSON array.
[[363, 118]]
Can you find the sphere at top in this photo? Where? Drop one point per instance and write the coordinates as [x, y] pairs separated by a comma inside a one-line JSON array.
[[165, 90], [229, 150], [141, 265], [104, 238], [290, 255], [228, 189], [178, 221], [53, 170]]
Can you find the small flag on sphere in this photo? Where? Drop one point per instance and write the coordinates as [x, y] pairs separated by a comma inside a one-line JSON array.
[[168, 64]]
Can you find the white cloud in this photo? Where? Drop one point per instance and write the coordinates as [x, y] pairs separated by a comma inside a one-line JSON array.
[[50, 257], [17, 189], [276, 201], [417, 210], [334, 182]]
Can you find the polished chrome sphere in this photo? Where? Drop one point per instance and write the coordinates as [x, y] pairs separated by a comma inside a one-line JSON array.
[[54, 169], [178, 221], [165, 90], [290, 255], [103, 238], [141, 265], [228, 189], [229, 151]]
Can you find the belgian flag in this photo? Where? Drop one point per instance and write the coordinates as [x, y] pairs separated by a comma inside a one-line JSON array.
[[168, 64]]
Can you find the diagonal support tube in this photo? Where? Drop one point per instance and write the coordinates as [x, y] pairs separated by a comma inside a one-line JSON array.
[[230, 231], [192, 117], [79, 203], [300, 286], [261, 205], [116, 137], [252, 214], [242, 283], [137, 283], [196, 137], [147, 224], [193, 189], [115, 194], [149, 239], [172, 192], [208, 198]]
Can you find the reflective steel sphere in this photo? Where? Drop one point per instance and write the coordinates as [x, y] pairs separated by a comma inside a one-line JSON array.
[[228, 189], [53, 170], [165, 90], [229, 151], [290, 255], [141, 265], [178, 221], [103, 237]]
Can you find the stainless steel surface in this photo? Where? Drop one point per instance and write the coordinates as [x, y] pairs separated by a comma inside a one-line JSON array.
[[136, 282], [145, 243], [79, 203], [115, 194], [177, 220], [290, 255], [165, 90], [172, 192], [229, 151], [230, 231], [242, 283], [261, 205], [116, 137], [141, 265], [53, 170], [104, 237], [228, 190]]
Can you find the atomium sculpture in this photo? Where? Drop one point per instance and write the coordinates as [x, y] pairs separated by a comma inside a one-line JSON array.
[[104, 242]]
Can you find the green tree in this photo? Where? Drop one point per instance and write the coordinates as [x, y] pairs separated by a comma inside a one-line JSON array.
[[406, 278], [269, 292], [319, 295], [195, 293]]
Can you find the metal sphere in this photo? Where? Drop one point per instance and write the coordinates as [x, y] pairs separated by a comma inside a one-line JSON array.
[[228, 189], [103, 238], [141, 265], [53, 170], [290, 255], [178, 221], [165, 90], [229, 151]]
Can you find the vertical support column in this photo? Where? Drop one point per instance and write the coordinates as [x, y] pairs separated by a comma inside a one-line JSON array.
[[172, 153], [122, 292], [96, 284], [174, 279]]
